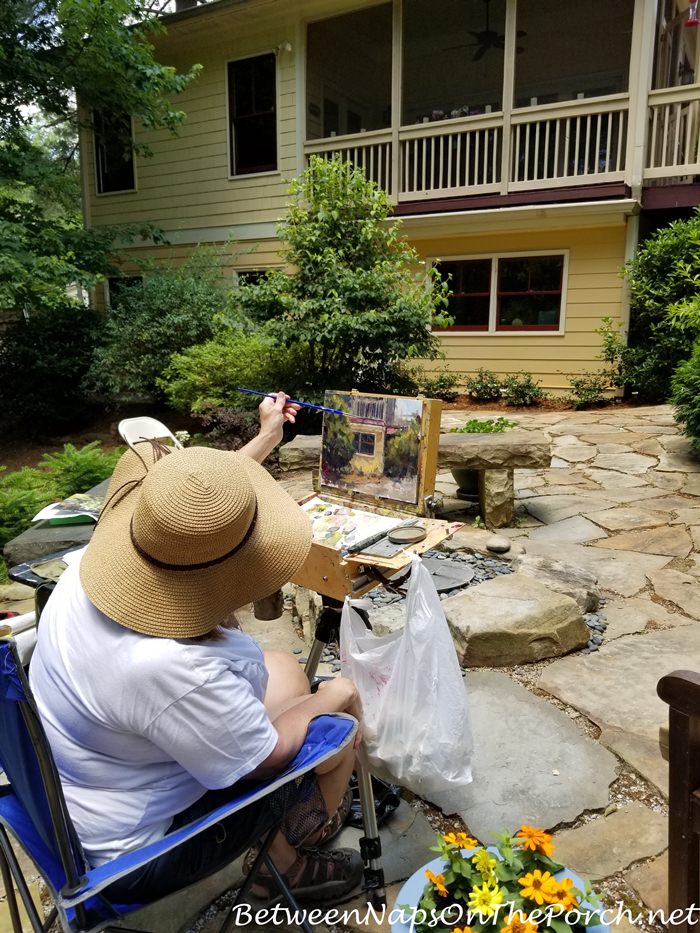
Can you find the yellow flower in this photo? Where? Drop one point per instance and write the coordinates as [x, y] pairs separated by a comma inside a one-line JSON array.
[[461, 840], [485, 865], [519, 925], [563, 895], [485, 899], [438, 881], [537, 886], [535, 839], [462, 930]]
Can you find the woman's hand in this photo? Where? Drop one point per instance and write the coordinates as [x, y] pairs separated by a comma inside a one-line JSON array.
[[274, 413]]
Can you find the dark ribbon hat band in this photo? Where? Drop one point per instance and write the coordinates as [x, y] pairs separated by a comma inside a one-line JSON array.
[[207, 563]]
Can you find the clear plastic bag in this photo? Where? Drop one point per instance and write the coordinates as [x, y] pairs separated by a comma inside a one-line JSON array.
[[416, 718]]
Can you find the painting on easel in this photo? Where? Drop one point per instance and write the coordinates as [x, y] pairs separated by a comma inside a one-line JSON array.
[[373, 449]]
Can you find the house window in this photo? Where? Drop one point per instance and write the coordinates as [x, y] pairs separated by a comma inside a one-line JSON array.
[[117, 285], [252, 90], [248, 276], [529, 293], [507, 294], [364, 444], [114, 157], [470, 292]]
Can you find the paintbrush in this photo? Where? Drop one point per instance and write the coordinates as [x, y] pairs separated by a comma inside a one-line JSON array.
[[293, 401]]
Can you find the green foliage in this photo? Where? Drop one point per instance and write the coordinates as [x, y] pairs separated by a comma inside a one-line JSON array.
[[359, 301], [443, 384], [74, 470], [226, 428], [686, 397], [338, 442], [522, 389], [484, 386], [43, 361], [208, 374], [589, 389], [172, 308], [25, 492], [664, 283], [484, 426], [401, 452], [22, 495]]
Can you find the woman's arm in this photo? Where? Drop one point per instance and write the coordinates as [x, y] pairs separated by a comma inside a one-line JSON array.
[[274, 413]]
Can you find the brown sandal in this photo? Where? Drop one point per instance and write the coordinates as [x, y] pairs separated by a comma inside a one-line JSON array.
[[315, 875], [332, 827]]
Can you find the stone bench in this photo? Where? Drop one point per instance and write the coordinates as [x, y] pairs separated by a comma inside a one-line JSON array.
[[492, 456]]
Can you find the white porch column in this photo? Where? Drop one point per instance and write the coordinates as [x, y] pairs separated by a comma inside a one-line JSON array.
[[640, 78], [396, 73], [508, 89]]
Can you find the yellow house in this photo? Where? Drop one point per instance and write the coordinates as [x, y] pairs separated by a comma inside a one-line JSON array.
[[526, 145]]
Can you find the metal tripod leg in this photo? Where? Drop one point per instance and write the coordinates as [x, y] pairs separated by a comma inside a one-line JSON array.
[[328, 629]]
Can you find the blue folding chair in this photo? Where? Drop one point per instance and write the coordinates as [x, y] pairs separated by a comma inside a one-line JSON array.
[[33, 809]]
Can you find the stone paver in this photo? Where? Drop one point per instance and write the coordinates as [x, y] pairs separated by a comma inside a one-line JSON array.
[[612, 843], [624, 462], [650, 881], [531, 763], [627, 519], [574, 530], [672, 541], [556, 508], [679, 588], [616, 688], [631, 616]]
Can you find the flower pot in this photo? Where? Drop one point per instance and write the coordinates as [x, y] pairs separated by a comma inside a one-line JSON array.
[[412, 891], [467, 483]]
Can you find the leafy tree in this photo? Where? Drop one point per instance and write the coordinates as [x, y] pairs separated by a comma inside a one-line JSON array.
[[358, 302], [52, 54], [686, 397], [663, 277], [401, 455]]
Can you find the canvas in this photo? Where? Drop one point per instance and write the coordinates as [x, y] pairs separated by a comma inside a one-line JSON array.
[[374, 449]]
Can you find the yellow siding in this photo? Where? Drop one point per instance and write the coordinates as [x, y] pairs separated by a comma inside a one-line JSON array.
[[594, 290]]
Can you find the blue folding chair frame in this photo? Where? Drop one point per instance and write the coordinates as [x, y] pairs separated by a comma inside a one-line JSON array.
[[34, 811]]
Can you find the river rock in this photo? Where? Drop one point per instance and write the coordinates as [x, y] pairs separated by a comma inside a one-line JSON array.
[[513, 619], [498, 544], [572, 581]]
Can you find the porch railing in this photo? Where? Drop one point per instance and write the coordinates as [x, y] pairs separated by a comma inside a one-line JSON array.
[[548, 146], [673, 149]]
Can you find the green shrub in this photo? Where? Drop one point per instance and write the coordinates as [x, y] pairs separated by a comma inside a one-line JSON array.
[[589, 389], [521, 389], [172, 308], [484, 386], [226, 428], [443, 384], [686, 397], [44, 360], [401, 451], [484, 426], [662, 276], [22, 495], [74, 470], [207, 375]]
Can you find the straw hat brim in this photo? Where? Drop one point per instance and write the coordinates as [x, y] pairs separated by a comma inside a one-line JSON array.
[[185, 604]]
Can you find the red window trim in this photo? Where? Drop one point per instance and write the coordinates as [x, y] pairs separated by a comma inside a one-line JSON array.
[[515, 328]]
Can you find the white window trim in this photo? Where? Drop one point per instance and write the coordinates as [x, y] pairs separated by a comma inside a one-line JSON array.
[[109, 194], [229, 142], [493, 298]]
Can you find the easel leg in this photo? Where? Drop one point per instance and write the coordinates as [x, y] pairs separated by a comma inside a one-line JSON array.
[[328, 629]]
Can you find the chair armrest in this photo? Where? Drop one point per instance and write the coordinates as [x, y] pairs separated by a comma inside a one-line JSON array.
[[681, 690]]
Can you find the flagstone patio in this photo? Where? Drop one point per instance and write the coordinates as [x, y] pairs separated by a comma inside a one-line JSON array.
[[573, 743]]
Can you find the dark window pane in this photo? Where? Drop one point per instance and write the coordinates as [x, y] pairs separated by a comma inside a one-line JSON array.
[[529, 311], [476, 276], [513, 275], [253, 115], [113, 153], [545, 274], [469, 311]]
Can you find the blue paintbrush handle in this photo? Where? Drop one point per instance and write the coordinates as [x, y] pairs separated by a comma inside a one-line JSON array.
[[293, 401]]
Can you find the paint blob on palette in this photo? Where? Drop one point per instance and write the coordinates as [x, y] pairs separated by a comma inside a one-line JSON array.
[[341, 527]]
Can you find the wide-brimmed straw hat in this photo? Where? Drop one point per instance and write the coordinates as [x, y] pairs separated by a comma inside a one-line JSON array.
[[186, 539]]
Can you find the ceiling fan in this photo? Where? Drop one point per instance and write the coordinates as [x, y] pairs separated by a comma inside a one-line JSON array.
[[486, 39]]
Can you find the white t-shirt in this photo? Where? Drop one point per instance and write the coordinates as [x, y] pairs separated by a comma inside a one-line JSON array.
[[141, 727]]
